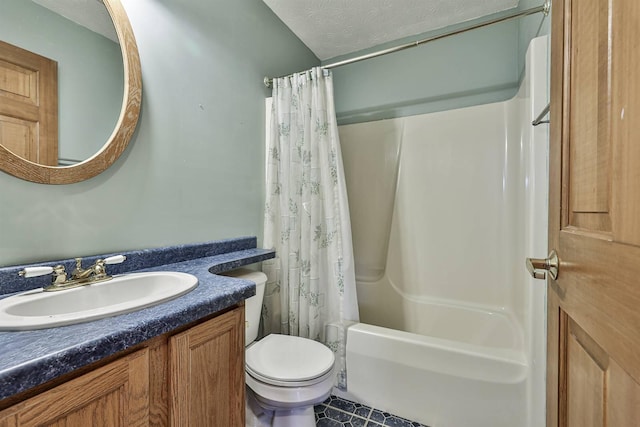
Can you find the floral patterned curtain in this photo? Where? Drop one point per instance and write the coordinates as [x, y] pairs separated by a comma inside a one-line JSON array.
[[311, 290]]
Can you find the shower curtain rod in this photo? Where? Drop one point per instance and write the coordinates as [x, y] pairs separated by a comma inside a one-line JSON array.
[[543, 8]]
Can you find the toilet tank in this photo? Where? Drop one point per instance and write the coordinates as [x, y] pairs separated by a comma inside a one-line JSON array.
[[253, 305]]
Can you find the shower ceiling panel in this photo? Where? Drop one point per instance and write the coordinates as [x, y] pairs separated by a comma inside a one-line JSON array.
[[332, 28]]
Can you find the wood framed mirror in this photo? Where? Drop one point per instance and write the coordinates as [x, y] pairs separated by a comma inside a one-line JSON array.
[[125, 126]]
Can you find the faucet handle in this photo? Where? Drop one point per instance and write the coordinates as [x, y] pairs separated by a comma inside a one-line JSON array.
[[99, 269], [59, 274], [35, 271], [116, 259]]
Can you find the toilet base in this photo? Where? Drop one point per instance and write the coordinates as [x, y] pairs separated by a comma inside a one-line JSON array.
[[299, 417], [255, 415], [258, 416]]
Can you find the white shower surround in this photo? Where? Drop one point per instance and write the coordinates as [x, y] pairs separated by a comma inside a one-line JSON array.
[[470, 205]]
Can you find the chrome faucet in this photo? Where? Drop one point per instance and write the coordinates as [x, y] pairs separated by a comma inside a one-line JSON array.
[[79, 276]]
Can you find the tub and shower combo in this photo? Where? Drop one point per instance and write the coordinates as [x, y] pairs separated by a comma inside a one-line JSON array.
[[444, 208]]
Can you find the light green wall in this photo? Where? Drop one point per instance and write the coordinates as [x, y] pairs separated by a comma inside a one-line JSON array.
[[194, 169], [90, 77], [472, 68]]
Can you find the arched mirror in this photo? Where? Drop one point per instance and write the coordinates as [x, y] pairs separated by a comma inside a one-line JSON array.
[[97, 88]]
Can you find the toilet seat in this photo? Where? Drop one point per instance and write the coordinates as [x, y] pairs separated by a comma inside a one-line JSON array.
[[289, 361]]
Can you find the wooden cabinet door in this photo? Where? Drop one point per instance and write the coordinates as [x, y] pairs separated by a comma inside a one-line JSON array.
[[593, 316], [29, 105], [206, 373], [116, 395]]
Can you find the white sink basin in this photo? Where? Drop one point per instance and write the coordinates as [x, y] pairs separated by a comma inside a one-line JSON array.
[[37, 309]]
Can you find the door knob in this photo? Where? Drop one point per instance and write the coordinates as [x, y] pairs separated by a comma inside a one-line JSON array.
[[538, 267]]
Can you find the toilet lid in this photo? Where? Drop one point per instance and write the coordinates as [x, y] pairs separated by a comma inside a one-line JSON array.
[[285, 358]]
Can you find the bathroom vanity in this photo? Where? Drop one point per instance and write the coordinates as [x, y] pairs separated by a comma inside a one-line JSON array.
[[187, 378], [177, 363]]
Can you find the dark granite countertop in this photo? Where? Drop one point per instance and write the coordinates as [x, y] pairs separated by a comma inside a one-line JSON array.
[[32, 358]]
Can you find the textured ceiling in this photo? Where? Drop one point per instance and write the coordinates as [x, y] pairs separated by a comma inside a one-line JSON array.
[[332, 28], [90, 14]]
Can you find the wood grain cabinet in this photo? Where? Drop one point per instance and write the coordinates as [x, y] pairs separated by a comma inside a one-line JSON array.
[[111, 396], [194, 377], [206, 374]]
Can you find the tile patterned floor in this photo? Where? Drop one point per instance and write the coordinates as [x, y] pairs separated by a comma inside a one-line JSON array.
[[338, 412]]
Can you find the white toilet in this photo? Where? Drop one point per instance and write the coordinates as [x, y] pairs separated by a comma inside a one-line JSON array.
[[285, 375]]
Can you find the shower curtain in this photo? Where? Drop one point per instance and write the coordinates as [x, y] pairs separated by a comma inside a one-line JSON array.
[[311, 288]]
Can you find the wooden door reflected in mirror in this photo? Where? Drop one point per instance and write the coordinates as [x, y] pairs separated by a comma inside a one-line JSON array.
[[17, 133], [29, 107]]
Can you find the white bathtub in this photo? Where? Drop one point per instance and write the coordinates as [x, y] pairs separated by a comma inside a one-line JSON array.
[[445, 207], [436, 381]]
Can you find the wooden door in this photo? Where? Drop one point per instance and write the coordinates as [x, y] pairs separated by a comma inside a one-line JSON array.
[[593, 376], [206, 373], [29, 105], [116, 395]]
